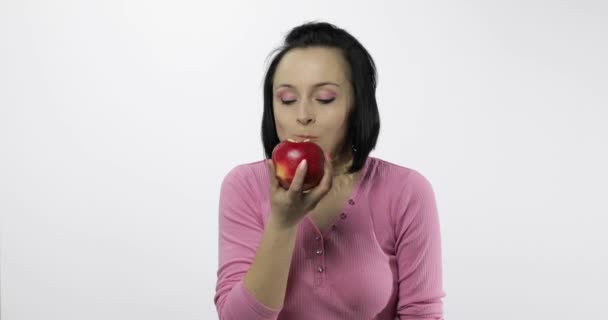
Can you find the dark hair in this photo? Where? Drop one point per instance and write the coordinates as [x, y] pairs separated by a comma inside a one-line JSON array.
[[364, 120]]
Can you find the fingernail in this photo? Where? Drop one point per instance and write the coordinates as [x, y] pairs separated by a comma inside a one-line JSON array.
[[303, 163]]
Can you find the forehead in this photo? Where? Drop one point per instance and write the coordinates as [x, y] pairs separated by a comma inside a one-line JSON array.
[[306, 66]]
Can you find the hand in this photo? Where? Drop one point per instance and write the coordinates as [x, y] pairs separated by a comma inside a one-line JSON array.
[[288, 207]]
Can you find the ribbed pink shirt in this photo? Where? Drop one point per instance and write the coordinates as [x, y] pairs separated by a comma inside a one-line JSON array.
[[380, 260]]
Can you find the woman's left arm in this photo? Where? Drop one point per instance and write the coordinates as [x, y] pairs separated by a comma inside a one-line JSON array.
[[418, 251]]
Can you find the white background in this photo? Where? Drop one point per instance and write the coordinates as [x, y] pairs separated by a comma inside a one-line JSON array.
[[119, 120]]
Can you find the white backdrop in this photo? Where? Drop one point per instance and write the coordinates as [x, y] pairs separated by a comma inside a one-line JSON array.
[[119, 120]]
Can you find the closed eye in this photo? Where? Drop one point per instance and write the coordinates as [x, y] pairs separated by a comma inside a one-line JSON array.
[[322, 101], [326, 101]]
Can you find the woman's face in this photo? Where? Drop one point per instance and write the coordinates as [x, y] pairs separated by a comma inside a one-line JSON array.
[[312, 97]]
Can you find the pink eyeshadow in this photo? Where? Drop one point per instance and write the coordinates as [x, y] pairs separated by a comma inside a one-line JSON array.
[[326, 96], [285, 95]]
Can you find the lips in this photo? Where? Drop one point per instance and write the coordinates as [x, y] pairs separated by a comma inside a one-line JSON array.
[[306, 137]]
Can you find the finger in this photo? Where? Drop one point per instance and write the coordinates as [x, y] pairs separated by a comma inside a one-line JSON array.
[[274, 182], [326, 182], [298, 180]]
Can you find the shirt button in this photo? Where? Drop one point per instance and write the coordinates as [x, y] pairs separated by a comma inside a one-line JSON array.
[[319, 251], [317, 237], [320, 269], [351, 202], [343, 215], [334, 227]]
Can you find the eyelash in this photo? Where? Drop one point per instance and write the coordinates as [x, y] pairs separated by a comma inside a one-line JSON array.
[[328, 101]]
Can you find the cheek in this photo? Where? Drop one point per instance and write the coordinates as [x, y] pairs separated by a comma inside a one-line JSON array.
[[335, 129], [335, 119], [279, 118], [280, 122]]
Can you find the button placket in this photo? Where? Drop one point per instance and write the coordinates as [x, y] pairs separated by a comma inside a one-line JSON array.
[[319, 261], [343, 215], [319, 264], [320, 273]]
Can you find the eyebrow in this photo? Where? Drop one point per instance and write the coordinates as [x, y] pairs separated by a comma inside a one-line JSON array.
[[320, 84]]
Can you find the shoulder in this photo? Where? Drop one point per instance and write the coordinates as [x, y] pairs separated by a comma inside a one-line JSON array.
[[241, 198], [397, 178], [403, 189], [246, 171], [249, 177], [408, 192]]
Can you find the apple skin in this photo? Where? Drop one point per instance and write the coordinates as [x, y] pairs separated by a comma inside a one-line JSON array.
[[287, 155]]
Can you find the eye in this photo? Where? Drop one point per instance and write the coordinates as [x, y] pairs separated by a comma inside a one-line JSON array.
[[327, 101], [322, 101]]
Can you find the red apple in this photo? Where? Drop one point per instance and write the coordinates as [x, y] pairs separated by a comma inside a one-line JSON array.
[[288, 154]]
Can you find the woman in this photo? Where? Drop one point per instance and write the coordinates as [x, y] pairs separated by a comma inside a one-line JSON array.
[[364, 243]]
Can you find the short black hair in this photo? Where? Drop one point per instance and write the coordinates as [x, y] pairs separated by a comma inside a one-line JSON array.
[[364, 120]]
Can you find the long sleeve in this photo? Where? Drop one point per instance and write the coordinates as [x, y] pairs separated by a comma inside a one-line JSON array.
[[418, 250], [240, 232]]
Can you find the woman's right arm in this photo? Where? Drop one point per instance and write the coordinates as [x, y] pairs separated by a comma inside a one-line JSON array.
[[254, 260], [267, 276], [262, 290], [240, 232]]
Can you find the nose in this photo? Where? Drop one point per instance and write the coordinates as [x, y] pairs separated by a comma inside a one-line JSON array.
[[305, 116]]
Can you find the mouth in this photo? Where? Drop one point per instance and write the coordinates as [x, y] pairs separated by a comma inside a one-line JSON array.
[[305, 137]]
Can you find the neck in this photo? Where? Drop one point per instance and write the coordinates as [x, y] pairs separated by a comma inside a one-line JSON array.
[[342, 163]]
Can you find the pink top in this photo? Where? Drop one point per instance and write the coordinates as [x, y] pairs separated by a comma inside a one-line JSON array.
[[381, 259]]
